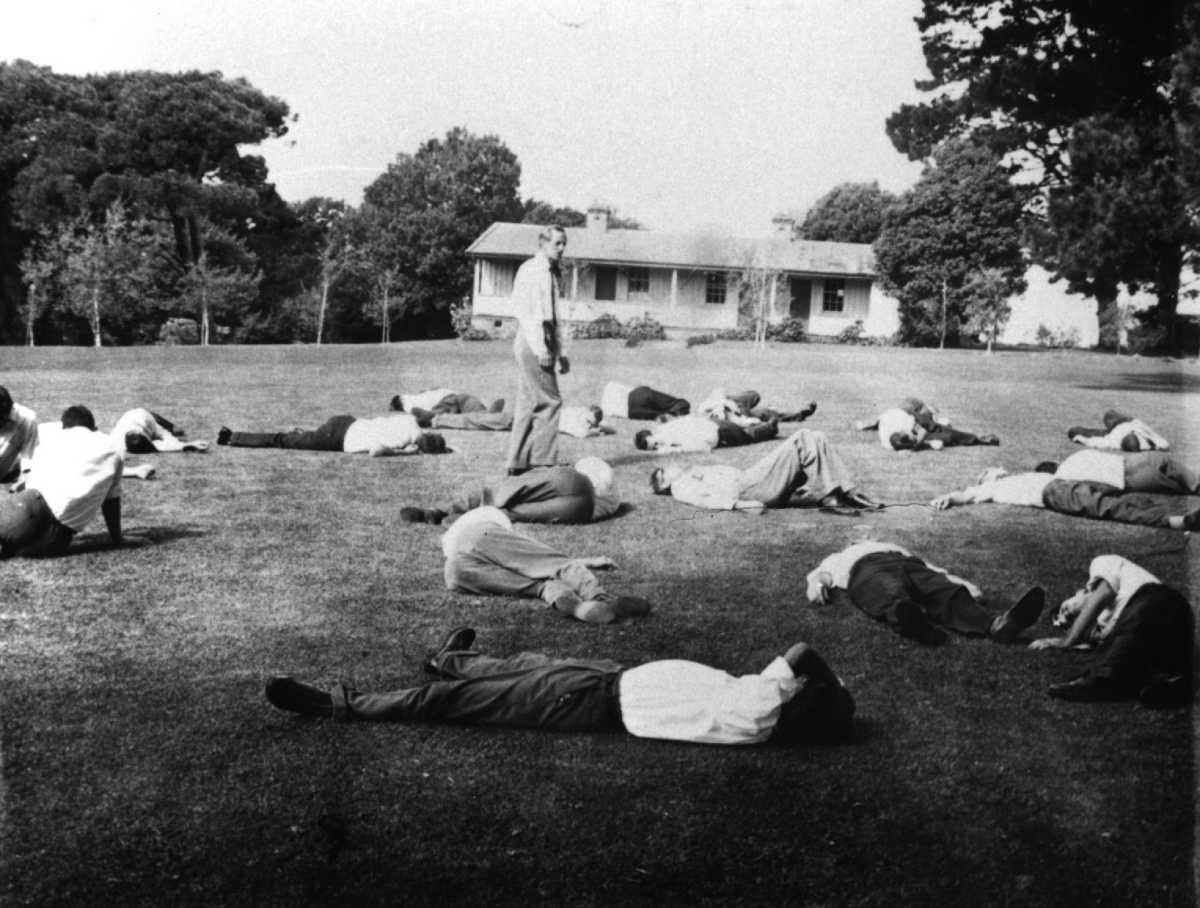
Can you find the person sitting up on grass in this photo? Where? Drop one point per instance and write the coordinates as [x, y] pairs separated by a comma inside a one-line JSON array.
[[917, 599], [578, 422], [141, 431], [700, 433], [75, 474], [1120, 433], [796, 699], [18, 437], [442, 400], [770, 482], [485, 556], [742, 409], [913, 426], [1141, 631], [1079, 498], [1142, 471], [381, 436], [584, 493], [641, 402]]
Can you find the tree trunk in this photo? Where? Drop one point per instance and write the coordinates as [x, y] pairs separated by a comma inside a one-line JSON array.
[[1167, 281], [942, 340], [321, 310], [203, 316], [385, 323], [96, 317]]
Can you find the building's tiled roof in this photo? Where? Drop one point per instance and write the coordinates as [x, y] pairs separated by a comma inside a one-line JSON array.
[[699, 251]]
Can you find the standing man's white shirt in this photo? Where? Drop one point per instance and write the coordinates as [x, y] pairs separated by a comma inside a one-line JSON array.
[[18, 439], [533, 298], [614, 400], [687, 433], [382, 436], [678, 700], [1093, 466], [76, 470]]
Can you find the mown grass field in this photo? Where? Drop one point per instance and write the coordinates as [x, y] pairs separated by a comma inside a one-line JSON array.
[[142, 766]]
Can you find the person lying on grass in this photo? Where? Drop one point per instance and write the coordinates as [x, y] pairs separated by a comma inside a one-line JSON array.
[[578, 422], [485, 556], [1142, 471], [743, 408], [700, 434], [1141, 631], [917, 599], [1120, 433], [913, 426], [641, 402], [1079, 498], [584, 493], [75, 474], [771, 482], [796, 699], [382, 436], [442, 400], [141, 431]]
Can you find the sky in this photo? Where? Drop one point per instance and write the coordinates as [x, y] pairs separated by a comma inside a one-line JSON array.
[[683, 114]]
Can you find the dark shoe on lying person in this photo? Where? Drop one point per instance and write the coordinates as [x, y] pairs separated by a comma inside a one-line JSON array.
[[224, 434], [292, 695], [1023, 614], [1086, 689], [458, 640], [991, 440], [1166, 692], [914, 624]]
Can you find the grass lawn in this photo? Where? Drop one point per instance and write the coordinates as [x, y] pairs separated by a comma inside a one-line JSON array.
[[142, 765]]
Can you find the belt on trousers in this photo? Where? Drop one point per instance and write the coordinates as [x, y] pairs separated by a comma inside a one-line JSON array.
[[612, 692]]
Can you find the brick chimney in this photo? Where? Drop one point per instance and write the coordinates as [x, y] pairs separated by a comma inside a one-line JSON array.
[[597, 218], [784, 226]]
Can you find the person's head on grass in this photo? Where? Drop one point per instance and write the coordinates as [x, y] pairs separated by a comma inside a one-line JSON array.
[[597, 416], [662, 478], [1046, 466], [643, 440], [821, 712], [77, 416], [431, 443], [6, 405]]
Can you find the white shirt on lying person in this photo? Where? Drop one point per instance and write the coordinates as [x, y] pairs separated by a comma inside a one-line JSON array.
[[678, 700], [1126, 578], [1148, 439], [381, 436], [578, 422], [452, 538], [142, 422], [718, 406], [1017, 488], [687, 433], [897, 421], [607, 498], [18, 439], [614, 400], [75, 470], [1093, 466], [715, 486], [425, 400]]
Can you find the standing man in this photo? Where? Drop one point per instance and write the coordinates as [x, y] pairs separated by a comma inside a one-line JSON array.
[[538, 347]]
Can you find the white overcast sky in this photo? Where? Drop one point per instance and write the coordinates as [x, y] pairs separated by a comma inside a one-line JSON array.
[[680, 113]]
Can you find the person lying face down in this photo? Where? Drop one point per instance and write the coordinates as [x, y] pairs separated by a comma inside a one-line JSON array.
[[796, 699], [382, 436]]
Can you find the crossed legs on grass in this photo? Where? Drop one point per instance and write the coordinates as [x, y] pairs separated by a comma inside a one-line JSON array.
[[806, 457]]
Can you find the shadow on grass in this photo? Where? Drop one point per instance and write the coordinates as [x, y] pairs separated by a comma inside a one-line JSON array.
[[142, 537], [1168, 382]]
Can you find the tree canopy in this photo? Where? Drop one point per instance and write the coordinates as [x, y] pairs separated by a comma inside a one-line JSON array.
[[848, 213]]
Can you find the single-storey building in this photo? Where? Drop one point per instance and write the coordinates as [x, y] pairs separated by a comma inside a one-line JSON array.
[[687, 282]]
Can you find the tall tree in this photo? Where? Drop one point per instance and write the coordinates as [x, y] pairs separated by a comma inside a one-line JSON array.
[[1083, 91], [431, 205], [848, 213], [962, 217]]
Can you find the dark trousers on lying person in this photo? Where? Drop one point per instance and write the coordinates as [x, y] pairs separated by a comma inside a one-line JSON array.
[[730, 435], [1101, 501], [646, 403], [1153, 638], [528, 690], [543, 495], [886, 586], [329, 436]]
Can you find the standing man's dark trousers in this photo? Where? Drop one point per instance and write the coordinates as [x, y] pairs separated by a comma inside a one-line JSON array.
[[901, 589], [730, 435], [528, 690], [330, 436], [1152, 638], [646, 403], [554, 495], [534, 439]]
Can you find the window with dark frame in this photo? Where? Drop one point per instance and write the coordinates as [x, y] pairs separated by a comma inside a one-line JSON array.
[[714, 287], [639, 280], [833, 297]]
